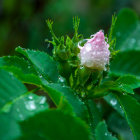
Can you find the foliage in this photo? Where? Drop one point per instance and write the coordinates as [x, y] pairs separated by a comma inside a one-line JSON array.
[[54, 97]]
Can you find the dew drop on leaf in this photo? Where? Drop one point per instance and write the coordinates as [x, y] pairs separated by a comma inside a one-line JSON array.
[[81, 67], [43, 100], [61, 79], [40, 76], [30, 105], [30, 97], [105, 134], [113, 102], [124, 93]]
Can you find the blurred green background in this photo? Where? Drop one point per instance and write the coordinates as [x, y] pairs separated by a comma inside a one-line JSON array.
[[22, 23]]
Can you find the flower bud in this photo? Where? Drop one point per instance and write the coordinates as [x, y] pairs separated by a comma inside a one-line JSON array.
[[95, 52]]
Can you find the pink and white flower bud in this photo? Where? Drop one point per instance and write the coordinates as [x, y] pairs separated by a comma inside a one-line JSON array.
[[95, 52]]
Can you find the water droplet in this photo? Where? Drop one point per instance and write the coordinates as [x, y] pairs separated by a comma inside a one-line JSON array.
[[40, 76], [105, 133], [113, 102], [81, 67], [29, 67], [88, 47], [43, 100], [30, 97], [30, 105], [61, 79], [92, 35], [124, 93]]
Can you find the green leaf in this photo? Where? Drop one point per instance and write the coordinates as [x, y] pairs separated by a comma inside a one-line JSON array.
[[17, 62], [21, 68], [9, 128], [10, 88], [20, 110], [43, 63], [101, 90], [113, 101], [16, 103], [128, 82], [66, 99], [94, 115], [130, 107], [124, 84], [132, 113], [102, 133], [14, 94], [66, 127], [119, 125], [28, 106], [126, 63], [127, 31]]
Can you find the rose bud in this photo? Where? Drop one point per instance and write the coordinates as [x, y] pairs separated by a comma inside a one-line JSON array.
[[95, 52]]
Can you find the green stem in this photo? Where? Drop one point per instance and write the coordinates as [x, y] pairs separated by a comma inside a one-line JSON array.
[[90, 121]]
